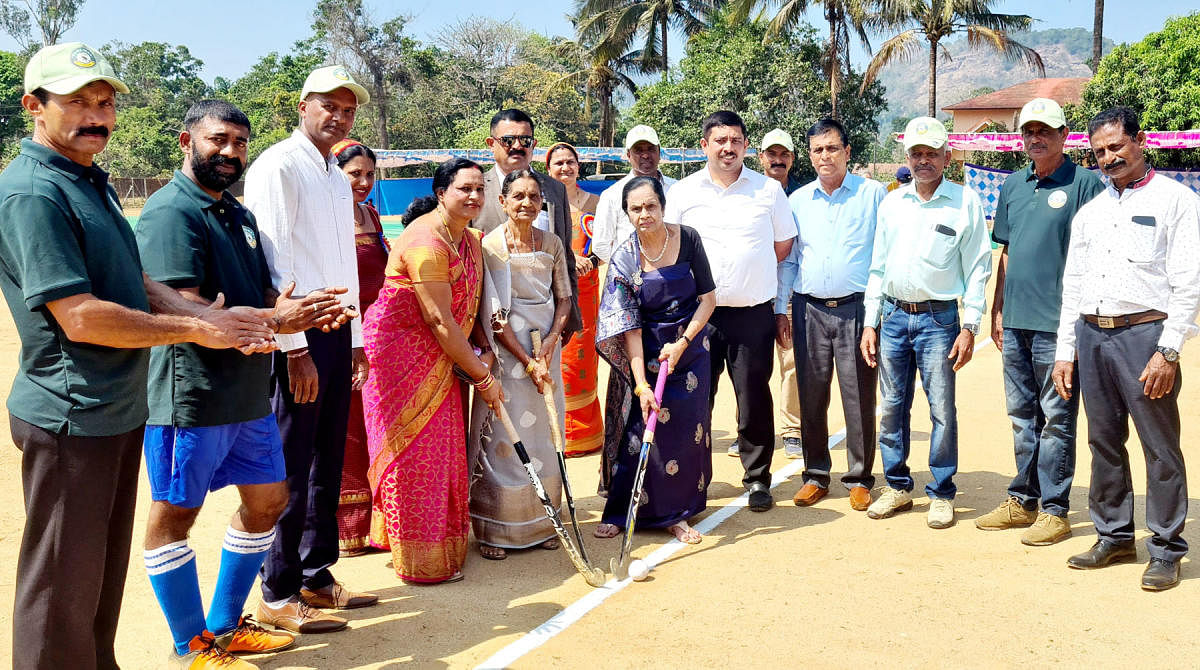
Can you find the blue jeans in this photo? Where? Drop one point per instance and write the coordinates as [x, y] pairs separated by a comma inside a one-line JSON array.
[[1043, 423], [908, 343]]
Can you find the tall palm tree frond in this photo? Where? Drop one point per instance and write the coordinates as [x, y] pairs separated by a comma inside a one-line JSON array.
[[899, 49], [998, 40]]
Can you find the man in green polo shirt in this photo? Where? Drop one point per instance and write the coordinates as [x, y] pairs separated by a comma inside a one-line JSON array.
[[210, 422], [86, 315], [1033, 222]]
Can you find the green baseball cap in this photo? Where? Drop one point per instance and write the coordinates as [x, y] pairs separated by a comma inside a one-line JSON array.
[[67, 67], [1043, 110], [331, 78]]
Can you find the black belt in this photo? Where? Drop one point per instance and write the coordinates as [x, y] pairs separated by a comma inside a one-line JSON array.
[[833, 302], [923, 306]]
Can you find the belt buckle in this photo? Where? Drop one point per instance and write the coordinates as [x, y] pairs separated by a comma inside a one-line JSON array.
[[831, 303], [1105, 322]]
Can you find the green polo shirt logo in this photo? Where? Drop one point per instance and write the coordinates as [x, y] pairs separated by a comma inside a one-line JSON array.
[[1057, 199]]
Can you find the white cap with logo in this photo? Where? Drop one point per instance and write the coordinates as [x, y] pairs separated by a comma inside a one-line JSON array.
[[331, 78], [778, 136], [924, 131], [640, 134], [65, 68], [1042, 110]]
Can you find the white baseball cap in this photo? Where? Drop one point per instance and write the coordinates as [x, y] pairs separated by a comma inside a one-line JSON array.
[[778, 136], [925, 131], [331, 78], [1043, 110], [65, 68], [640, 134]]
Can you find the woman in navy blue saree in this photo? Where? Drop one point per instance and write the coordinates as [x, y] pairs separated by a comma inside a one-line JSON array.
[[654, 311]]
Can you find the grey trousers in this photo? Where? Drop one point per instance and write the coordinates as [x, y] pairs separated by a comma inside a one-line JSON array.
[[825, 339], [1110, 362], [80, 494]]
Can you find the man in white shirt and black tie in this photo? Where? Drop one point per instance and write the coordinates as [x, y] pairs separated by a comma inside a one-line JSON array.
[[1131, 288], [747, 227]]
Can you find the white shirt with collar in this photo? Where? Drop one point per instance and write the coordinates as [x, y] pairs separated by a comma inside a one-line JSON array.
[[612, 225], [1131, 252], [739, 226], [305, 212]]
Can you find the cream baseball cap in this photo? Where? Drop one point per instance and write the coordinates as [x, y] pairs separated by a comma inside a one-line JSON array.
[[778, 136], [67, 67], [331, 78], [1043, 110], [925, 131], [640, 134]]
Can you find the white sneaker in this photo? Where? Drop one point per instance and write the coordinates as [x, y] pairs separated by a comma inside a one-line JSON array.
[[941, 513], [889, 502]]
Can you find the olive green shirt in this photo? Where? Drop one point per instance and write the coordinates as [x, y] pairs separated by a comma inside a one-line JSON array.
[[188, 239], [1033, 218], [62, 233]]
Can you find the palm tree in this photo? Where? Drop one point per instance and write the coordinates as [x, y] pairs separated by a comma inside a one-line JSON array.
[[601, 72], [933, 21], [844, 17], [1097, 35], [620, 23]]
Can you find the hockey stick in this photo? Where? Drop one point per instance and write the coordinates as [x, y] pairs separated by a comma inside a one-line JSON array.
[[552, 411], [619, 565], [593, 576]]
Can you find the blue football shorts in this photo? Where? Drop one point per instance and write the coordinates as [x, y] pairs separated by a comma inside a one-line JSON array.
[[184, 464]]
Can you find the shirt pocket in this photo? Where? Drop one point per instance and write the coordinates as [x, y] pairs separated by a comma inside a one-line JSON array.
[[1140, 233], [939, 244]]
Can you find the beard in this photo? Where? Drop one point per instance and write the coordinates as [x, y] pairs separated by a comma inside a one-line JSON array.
[[206, 172]]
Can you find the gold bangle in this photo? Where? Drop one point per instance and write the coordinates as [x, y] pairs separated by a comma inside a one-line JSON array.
[[485, 383], [641, 388], [530, 366]]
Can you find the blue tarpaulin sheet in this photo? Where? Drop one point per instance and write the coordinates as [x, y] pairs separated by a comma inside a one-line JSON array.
[[392, 196]]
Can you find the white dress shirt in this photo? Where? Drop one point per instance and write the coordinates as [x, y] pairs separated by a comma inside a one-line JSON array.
[[739, 226], [612, 225], [305, 212], [1134, 251]]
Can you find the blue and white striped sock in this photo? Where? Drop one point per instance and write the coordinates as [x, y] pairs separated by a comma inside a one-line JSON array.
[[241, 557], [172, 571]]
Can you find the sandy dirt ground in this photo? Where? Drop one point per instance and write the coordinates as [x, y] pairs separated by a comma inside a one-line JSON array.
[[823, 586]]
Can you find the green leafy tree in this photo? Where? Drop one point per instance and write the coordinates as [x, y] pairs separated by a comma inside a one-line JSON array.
[[932, 21], [52, 18], [270, 92], [845, 18], [1157, 78], [600, 72], [776, 84], [163, 82], [13, 121], [621, 23]]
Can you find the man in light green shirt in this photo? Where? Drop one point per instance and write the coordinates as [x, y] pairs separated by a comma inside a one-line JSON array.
[[931, 250]]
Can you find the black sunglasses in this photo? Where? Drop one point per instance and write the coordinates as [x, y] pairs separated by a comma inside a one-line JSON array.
[[508, 141]]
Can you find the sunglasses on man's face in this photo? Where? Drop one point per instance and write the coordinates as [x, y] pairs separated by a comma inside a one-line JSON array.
[[509, 141]]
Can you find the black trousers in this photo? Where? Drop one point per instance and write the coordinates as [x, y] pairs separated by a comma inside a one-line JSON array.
[[744, 340], [824, 339], [314, 440], [1110, 362], [80, 494]]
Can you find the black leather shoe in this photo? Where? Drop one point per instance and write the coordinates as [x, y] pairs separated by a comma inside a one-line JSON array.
[[1102, 554], [760, 498], [1160, 575]]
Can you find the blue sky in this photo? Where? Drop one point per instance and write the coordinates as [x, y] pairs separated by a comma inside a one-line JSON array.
[[230, 35]]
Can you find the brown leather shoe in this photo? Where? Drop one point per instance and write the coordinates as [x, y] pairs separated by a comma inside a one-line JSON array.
[[338, 597], [809, 494], [860, 498], [298, 617]]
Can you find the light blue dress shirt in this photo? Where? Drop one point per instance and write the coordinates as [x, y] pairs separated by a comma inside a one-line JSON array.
[[832, 256], [930, 250]]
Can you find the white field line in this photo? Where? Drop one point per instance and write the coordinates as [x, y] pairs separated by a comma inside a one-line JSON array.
[[576, 610]]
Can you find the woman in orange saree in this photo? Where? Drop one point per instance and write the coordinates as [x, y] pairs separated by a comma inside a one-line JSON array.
[[584, 424], [415, 336]]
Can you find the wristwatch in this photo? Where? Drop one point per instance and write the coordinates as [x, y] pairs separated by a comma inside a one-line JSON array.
[[1171, 355], [972, 328]]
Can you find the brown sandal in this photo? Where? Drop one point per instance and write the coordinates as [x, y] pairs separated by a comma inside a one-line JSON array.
[[492, 553]]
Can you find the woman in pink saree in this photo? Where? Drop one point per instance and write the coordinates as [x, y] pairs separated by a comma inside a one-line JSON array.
[[416, 336]]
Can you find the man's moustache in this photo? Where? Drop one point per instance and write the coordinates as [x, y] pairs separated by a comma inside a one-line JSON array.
[[94, 130], [1114, 164], [778, 165]]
